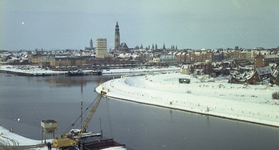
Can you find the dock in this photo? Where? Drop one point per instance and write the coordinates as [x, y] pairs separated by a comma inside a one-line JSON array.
[[35, 71]]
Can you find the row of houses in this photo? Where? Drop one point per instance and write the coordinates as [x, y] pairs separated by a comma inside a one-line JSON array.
[[191, 56], [144, 57], [213, 69], [250, 74]]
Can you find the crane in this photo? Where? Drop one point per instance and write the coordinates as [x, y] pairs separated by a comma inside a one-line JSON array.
[[67, 140]]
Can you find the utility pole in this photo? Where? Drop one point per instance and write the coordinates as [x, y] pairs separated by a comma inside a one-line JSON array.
[[81, 113]]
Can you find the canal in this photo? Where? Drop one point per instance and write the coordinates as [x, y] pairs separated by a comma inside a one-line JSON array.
[[25, 101]]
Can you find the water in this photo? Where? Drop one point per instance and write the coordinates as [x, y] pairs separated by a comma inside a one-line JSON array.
[[25, 101]]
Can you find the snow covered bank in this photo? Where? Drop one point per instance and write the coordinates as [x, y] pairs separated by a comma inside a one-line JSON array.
[[214, 96], [8, 138], [36, 71], [135, 70], [29, 70]]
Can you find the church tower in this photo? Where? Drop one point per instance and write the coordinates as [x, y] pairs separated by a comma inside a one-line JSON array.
[[117, 37], [91, 44]]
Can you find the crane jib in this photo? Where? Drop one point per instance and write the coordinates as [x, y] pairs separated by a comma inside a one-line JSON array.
[[91, 114], [67, 140]]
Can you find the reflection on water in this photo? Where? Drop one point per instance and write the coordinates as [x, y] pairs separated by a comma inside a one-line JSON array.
[[66, 81]]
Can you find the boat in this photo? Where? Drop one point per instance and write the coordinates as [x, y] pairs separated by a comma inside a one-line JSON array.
[[86, 134], [79, 72], [97, 72], [94, 141]]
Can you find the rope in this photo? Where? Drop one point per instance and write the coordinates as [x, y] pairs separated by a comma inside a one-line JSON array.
[[80, 116], [109, 119]]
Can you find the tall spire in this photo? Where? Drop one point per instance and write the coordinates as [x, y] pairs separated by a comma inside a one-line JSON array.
[[91, 44], [116, 37]]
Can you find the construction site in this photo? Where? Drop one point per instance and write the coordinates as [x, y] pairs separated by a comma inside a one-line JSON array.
[[75, 139]]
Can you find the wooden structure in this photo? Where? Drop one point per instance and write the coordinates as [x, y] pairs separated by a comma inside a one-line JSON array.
[[48, 126]]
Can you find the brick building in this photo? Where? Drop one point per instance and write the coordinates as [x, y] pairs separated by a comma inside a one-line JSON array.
[[265, 60]]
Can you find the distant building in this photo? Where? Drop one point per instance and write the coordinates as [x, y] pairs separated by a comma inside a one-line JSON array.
[[259, 74], [123, 47], [116, 37], [101, 48], [265, 60], [171, 60], [274, 78], [90, 46], [216, 57], [198, 56], [185, 70], [109, 63]]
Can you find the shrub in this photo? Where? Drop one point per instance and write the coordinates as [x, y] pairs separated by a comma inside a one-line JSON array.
[[275, 95]]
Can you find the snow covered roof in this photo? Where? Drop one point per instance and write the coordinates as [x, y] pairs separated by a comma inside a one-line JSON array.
[[61, 56], [15, 58], [124, 55], [270, 56], [264, 70], [135, 55], [167, 56]]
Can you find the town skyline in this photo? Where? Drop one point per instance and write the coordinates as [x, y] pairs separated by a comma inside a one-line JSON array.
[[27, 25]]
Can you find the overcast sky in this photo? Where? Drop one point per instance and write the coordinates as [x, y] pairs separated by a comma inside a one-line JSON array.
[[195, 24]]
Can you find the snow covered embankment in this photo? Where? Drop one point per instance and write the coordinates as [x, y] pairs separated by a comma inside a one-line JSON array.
[[252, 103], [29, 70], [137, 71], [12, 140]]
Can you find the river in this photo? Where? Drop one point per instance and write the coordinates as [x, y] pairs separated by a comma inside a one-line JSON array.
[[26, 101]]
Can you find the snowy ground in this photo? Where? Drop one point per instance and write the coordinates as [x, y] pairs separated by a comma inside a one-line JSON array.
[[214, 96], [139, 70], [28, 69], [8, 138]]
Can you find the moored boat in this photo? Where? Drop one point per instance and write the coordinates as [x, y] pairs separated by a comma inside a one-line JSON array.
[[79, 72]]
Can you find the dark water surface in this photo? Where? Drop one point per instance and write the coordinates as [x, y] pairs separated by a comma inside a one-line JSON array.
[[25, 101]]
